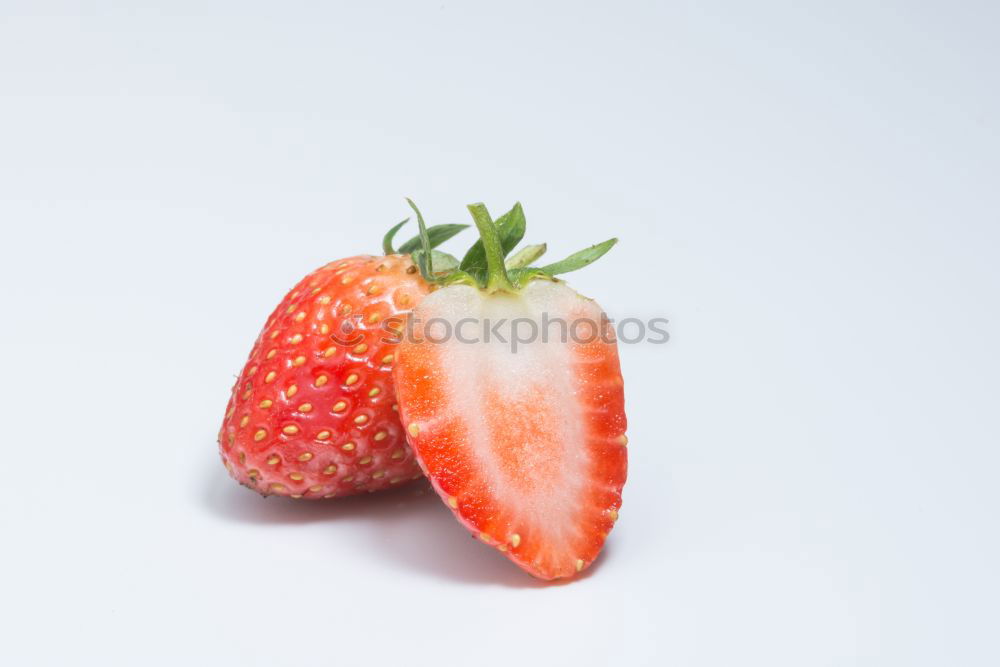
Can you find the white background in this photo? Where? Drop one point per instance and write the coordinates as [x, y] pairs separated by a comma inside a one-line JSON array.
[[808, 191]]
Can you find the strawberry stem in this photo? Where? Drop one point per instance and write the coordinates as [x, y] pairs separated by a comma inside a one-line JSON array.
[[496, 272]]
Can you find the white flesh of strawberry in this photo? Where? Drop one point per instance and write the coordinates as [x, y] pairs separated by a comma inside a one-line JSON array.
[[523, 402]]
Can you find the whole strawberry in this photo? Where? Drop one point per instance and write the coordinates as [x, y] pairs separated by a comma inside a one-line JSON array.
[[313, 414]]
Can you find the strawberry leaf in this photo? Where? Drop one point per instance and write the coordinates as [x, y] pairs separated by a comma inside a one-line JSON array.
[[425, 260], [521, 277], [387, 239], [525, 256], [510, 228], [437, 234], [578, 260], [443, 262]]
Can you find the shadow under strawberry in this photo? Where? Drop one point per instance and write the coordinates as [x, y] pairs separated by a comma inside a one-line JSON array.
[[408, 529]]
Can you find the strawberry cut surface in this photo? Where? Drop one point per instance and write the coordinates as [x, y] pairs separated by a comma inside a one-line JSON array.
[[526, 447]]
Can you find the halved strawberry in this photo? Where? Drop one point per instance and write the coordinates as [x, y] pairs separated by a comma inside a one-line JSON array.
[[525, 444], [313, 413]]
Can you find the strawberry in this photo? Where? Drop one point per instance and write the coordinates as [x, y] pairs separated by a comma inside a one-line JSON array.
[[526, 443], [313, 414]]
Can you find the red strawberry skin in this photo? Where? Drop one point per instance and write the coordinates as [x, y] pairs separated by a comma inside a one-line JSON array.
[[528, 449], [313, 413]]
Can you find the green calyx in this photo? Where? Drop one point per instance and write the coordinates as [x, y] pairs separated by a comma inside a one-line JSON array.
[[437, 235], [488, 264]]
